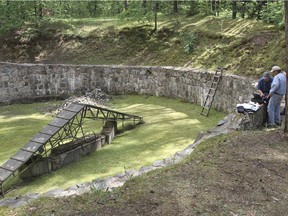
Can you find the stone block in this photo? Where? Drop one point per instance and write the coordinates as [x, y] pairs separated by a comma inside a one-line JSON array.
[[98, 143], [73, 155], [43, 166]]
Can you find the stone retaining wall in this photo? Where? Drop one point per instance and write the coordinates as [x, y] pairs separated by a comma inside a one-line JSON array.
[[30, 81]]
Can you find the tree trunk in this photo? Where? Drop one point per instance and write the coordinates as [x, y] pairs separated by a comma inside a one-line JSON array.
[[175, 7], [155, 15], [234, 9], [286, 62], [40, 10], [243, 9], [260, 6], [213, 7], [126, 5], [144, 5], [22, 10], [217, 8], [7, 10]]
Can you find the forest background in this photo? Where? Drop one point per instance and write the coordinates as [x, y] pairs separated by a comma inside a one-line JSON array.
[[246, 37]]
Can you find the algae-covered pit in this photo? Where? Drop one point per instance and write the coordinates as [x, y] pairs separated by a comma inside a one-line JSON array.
[[170, 126]]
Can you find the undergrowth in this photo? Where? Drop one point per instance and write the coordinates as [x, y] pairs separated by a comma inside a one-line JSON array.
[[244, 47]]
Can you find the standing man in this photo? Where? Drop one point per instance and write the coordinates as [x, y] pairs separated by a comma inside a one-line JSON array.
[[277, 91]]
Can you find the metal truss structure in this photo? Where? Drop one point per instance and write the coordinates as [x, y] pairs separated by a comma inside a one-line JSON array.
[[66, 127]]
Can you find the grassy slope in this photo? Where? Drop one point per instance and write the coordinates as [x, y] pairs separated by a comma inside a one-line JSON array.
[[244, 46]]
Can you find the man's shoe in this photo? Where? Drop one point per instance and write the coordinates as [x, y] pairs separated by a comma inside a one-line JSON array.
[[272, 126], [278, 123]]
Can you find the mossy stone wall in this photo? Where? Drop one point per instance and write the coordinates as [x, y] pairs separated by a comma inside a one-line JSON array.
[[20, 82]]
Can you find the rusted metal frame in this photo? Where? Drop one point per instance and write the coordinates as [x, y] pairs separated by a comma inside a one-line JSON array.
[[2, 189], [94, 111], [102, 110], [93, 115], [67, 131], [72, 133], [75, 126], [67, 134], [78, 125], [81, 121], [45, 148], [109, 115], [83, 114], [97, 115], [112, 115], [55, 140], [32, 158], [103, 113]]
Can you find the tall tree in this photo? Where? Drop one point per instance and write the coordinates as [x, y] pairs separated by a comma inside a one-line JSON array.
[[286, 62], [175, 7], [7, 9], [92, 8], [234, 9], [243, 9], [156, 7], [126, 4], [144, 5], [213, 7]]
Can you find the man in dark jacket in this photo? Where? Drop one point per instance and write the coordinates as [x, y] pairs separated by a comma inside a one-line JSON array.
[[264, 84]]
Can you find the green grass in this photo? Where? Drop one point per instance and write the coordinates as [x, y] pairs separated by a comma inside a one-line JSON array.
[[19, 123], [170, 126]]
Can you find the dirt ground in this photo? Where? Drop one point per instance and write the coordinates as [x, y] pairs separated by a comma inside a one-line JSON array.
[[243, 173]]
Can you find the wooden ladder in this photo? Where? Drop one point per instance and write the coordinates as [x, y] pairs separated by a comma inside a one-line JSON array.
[[211, 93]]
